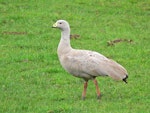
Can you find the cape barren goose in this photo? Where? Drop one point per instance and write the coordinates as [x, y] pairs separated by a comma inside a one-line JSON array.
[[86, 64]]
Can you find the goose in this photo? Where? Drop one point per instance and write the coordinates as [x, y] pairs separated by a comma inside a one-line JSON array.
[[86, 64]]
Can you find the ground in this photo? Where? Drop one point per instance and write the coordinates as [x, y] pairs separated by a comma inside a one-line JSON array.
[[32, 79]]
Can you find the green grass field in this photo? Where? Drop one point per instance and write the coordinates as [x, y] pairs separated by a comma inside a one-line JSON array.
[[31, 77]]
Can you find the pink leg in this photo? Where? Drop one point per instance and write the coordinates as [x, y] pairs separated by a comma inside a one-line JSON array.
[[97, 88], [84, 90]]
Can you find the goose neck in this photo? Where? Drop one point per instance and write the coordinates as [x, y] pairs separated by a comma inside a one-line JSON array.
[[64, 44]]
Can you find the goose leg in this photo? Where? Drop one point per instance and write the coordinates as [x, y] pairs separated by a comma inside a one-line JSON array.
[[84, 90], [97, 88]]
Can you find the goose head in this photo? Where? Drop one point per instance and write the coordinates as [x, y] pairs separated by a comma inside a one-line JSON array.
[[61, 24]]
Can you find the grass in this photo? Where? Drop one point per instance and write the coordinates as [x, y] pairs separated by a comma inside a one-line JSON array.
[[31, 77]]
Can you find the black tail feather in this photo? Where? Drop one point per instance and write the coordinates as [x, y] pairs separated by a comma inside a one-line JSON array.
[[125, 79]]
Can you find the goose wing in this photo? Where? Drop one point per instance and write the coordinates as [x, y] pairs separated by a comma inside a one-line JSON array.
[[88, 64]]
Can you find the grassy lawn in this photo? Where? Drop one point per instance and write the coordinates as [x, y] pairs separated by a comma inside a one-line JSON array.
[[31, 77]]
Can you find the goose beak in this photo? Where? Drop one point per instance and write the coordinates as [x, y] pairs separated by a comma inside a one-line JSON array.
[[54, 25]]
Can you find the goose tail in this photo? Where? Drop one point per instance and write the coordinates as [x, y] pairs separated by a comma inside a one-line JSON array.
[[125, 79]]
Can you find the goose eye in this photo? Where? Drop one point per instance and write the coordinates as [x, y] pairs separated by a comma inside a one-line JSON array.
[[60, 23]]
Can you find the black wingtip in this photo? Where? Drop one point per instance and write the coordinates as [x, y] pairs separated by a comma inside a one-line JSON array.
[[125, 79]]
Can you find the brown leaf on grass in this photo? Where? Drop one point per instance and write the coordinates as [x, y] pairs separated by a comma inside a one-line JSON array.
[[113, 42], [75, 36], [14, 33]]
